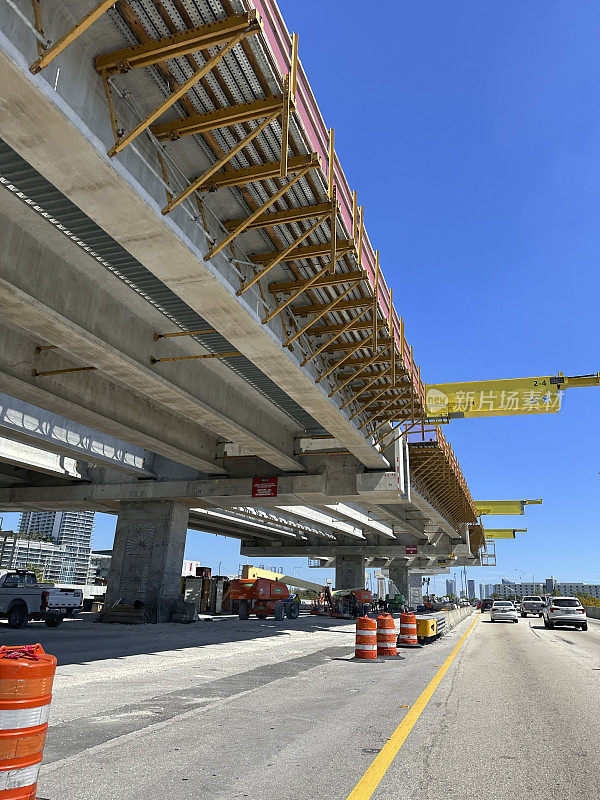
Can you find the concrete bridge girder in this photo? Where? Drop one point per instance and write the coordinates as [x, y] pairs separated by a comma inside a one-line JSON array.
[[22, 464], [124, 197], [59, 294], [103, 406], [44, 431]]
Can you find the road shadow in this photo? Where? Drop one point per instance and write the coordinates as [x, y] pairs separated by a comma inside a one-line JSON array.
[[562, 628], [81, 640]]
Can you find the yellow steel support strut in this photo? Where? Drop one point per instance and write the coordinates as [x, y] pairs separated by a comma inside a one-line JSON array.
[[216, 248], [339, 331], [325, 310], [272, 314], [39, 374], [337, 364], [220, 163], [70, 37], [230, 354], [184, 43], [385, 374], [281, 256], [158, 336], [327, 280], [176, 95], [299, 214], [220, 118], [358, 372]]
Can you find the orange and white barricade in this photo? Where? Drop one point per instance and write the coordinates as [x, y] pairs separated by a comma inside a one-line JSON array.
[[386, 636], [408, 631], [366, 638], [26, 677]]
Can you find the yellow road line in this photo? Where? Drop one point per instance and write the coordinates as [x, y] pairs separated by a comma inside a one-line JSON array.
[[366, 786]]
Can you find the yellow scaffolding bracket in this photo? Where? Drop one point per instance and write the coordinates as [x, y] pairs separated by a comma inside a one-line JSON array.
[[494, 398], [504, 397], [57, 48], [503, 533], [507, 507]]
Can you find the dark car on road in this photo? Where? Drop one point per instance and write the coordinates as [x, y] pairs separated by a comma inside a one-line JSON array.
[[486, 604]]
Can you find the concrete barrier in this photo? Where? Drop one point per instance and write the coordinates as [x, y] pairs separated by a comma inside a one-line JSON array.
[[593, 612], [456, 616]]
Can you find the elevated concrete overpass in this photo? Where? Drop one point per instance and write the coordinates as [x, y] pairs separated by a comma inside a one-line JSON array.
[[190, 301]]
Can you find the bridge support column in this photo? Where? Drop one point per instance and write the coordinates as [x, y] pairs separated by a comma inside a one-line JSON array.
[[350, 572], [411, 586], [148, 555]]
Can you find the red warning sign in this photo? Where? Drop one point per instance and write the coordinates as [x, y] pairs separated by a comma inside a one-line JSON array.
[[264, 487], [411, 549]]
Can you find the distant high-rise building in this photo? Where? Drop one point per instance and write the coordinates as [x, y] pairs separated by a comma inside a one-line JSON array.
[[481, 591], [550, 584], [450, 587], [69, 531], [470, 588]]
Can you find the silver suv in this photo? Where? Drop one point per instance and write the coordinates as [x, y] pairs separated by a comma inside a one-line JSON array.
[[564, 611]]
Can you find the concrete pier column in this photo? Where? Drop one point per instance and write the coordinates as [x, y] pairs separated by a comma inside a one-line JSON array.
[[148, 555], [349, 572], [400, 578], [408, 585]]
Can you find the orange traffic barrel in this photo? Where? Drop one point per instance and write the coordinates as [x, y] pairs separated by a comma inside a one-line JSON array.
[[26, 677], [386, 636], [366, 638], [408, 631]]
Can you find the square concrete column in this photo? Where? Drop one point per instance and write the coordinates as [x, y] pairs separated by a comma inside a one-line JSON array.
[[349, 572], [147, 555], [411, 586]]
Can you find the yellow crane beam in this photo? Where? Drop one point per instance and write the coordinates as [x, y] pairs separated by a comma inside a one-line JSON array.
[[503, 397], [505, 507], [503, 533]]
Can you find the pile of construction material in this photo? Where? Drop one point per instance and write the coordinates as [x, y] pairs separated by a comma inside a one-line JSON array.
[[207, 595]]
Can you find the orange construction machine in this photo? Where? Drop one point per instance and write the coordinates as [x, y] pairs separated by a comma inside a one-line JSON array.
[[263, 597], [342, 603]]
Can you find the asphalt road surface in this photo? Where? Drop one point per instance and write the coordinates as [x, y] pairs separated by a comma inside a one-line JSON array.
[[230, 709]]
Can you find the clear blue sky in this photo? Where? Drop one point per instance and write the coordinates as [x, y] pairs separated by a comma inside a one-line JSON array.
[[471, 132]]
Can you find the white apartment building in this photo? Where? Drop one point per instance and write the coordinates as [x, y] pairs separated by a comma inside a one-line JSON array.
[[56, 542], [508, 590]]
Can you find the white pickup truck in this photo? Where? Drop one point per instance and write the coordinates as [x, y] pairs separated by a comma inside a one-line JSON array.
[[22, 598]]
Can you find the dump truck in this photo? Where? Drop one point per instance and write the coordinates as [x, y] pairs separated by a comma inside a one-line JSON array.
[[263, 597]]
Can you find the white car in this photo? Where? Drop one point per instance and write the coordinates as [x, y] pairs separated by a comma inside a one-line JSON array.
[[564, 611], [503, 610]]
